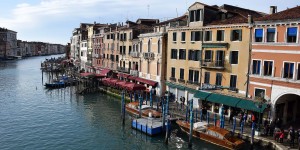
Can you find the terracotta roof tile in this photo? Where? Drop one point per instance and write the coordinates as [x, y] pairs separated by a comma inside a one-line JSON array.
[[292, 13]]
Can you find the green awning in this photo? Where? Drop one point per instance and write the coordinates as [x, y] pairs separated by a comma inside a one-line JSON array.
[[215, 45], [224, 99], [202, 95], [191, 90], [251, 105], [177, 86]]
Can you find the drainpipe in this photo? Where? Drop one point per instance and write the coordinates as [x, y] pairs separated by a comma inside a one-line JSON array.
[[250, 22], [201, 60]]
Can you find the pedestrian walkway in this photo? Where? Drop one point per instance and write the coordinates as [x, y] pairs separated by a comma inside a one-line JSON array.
[[177, 112]]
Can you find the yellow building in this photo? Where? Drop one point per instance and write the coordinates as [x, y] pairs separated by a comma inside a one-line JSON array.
[[211, 53]]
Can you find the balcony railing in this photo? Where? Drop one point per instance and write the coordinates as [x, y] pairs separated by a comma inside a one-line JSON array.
[[123, 69], [173, 79], [134, 73], [181, 80], [148, 55], [218, 64], [135, 54]]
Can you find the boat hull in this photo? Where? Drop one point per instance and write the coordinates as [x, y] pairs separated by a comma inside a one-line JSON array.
[[211, 139], [149, 126]]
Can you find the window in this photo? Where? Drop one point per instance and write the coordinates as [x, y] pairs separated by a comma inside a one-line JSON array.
[[124, 49], [191, 75], [141, 46], [233, 81], [258, 35], [236, 35], [256, 67], [181, 73], [129, 51], [208, 55], [117, 57], [292, 35], [196, 15], [207, 36], [182, 54], [271, 35], [173, 53], [107, 36], [174, 36], [259, 93], [183, 36], [219, 79], [196, 76], [125, 36], [220, 35], [206, 77], [158, 46], [268, 68], [288, 71], [234, 55], [196, 36], [173, 72], [149, 46]]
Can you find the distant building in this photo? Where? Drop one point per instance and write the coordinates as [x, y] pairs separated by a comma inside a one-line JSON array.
[[8, 43]]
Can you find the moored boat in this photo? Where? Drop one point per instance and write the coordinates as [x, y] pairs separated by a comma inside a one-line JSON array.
[[133, 108], [212, 134], [55, 85], [149, 126]]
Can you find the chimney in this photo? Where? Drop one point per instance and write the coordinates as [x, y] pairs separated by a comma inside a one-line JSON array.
[[273, 9], [250, 19]]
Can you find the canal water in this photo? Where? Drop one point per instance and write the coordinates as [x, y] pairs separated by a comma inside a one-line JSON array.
[[32, 117]]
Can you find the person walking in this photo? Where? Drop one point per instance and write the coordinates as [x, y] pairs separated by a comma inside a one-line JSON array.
[[230, 120], [291, 136]]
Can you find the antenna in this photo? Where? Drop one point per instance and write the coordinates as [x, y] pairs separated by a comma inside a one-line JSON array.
[[148, 6]]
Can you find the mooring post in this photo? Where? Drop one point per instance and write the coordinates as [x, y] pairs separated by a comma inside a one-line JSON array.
[[207, 118], [242, 129], [221, 118], [252, 133], [123, 107], [151, 102], [234, 125], [186, 113], [140, 106], [200, 115], [196, 115], [157, 104], [164, 116], [166, 113], [130, 96], [215, 119], [146, 97], [191, 123]]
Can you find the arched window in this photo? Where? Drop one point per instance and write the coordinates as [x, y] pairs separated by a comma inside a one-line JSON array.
[[158, 46], [149, 45]]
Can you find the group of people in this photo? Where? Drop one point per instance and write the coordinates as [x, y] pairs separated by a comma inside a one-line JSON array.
[[292, 135]]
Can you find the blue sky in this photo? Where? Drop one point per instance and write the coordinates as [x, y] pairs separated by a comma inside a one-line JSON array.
[[54, 20]]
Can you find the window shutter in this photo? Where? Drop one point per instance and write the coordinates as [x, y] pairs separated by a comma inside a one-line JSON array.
[[240, 35], [231, 35]]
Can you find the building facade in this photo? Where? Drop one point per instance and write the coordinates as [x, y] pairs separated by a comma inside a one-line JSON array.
[[275, 63]]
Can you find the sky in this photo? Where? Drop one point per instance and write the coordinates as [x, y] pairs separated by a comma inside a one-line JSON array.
[[54, 20]]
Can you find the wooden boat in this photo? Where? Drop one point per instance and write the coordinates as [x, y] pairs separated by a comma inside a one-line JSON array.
[[55, 85], [133, 108], [212, 134]]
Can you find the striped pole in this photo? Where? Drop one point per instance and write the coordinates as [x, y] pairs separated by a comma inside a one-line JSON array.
[[151, 102], [242, 129], [186, 113], [207, 118], [215, 119], [140, 108], [167, 126], [252, 133], [234, 125]]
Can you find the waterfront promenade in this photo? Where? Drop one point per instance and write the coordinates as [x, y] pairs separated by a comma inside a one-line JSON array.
[[177, 112]]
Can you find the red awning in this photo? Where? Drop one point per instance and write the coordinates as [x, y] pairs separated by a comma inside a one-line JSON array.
[[123, 75], [112, 82], [132, 77], [86, 74], [100, 75], [105, 71], [146, 81], [134, 87]]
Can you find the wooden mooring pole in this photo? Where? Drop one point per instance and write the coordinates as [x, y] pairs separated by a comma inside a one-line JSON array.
[[191, 123]]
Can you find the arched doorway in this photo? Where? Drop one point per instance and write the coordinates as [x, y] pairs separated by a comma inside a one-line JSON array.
[[287, 108]]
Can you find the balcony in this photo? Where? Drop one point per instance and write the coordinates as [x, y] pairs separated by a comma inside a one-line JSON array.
[[123, 69], [134, 73], [173, 79], [148, 55], [218, 64], [193, 82], [135, 54], [181, 80]]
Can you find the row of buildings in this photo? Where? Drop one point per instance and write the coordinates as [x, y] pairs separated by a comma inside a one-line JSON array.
[[10, 47], [216, 55]]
